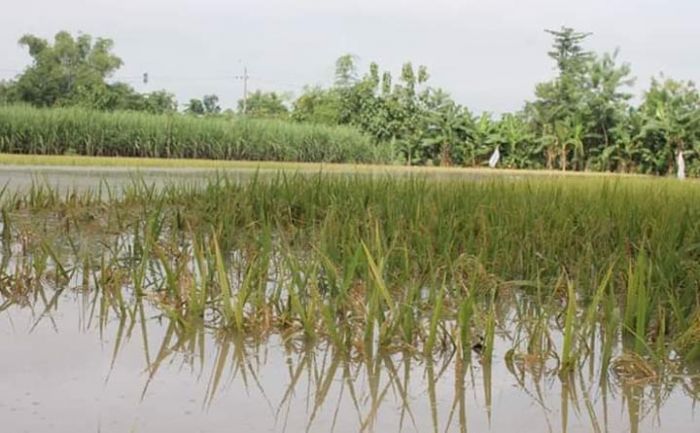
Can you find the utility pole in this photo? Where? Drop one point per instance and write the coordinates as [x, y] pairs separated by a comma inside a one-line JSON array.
[[244, 77]]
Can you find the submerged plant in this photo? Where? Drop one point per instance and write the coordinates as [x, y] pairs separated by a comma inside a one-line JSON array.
[[385, 265]]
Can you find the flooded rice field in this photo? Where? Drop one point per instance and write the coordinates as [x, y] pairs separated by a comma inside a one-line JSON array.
[[62, 372], [321, 304]]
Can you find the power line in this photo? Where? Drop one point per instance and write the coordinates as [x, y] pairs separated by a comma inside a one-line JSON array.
[[278, 83], [163, 80], [192, 78], [181, 78]]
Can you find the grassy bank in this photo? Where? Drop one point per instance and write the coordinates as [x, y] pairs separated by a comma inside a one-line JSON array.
[[135, 163], [565, 267], [60, 131]]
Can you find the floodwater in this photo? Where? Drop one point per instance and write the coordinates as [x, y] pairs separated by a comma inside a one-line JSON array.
[[22, 177], [70, 364], [64, 370]]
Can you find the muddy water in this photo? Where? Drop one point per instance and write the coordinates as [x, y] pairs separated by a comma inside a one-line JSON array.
[[78, 367], [64, 370], [21, 178]]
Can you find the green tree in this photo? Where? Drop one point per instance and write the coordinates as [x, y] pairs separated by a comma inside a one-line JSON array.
[[195, 106], [121, 96], [560, 103], [116, 96], [211, 104], [517, 143], [607, 112], [671, 113], [160, 102], [71, 71], [447, 130], [263, 104], [317, 105], [484, 140], [7, 92], [388, 113], [207, 106], [572, 62], [346, 71], [627, 152]]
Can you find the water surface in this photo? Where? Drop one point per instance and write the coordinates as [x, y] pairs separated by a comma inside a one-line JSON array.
[[61, 371]]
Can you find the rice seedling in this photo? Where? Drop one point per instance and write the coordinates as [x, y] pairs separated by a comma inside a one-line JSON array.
[[380, 265]]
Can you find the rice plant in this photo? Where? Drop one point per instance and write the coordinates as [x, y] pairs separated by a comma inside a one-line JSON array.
[[384, 264]]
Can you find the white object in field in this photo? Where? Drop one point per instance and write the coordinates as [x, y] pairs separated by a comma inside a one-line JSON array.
[[680, 163], [375, 337], [493, 161]]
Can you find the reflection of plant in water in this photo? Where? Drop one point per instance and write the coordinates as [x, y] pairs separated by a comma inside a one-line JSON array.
[[632, 369], [371, 383]]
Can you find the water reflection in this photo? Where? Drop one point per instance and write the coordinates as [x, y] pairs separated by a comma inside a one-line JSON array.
[[153, 370]]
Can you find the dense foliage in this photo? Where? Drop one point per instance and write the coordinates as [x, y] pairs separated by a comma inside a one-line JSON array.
[[89, 132], [263, 104], [73, 71], [582, 119]]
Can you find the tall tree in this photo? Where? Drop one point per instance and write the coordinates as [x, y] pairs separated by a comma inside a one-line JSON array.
[[447, 130], [572, 61], [7, 92], [346, 70], [607, 111], [317, 105], [560, 103], [211, 104], [72, 70], [264, 104], [160, 102], [195, 106]]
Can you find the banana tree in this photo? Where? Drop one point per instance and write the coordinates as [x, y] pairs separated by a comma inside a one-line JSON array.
[[568, 136], [623, 149], [671, 112], [518, 145], [484, 138], [447, 128]]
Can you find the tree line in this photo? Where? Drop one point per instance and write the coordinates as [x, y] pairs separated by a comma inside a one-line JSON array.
[[582, 119]]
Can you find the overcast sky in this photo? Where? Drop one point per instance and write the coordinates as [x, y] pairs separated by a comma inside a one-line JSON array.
[[488, 54]]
